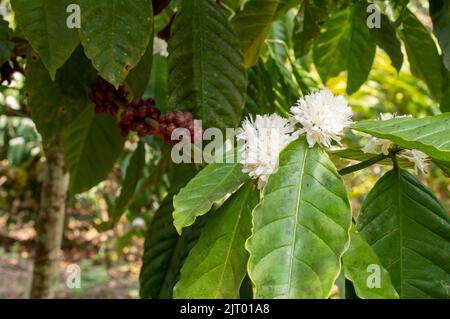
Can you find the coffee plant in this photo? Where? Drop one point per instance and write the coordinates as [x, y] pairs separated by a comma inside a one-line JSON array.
[[258, 97]]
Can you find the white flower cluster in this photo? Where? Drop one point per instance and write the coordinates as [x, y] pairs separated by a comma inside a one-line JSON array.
[[261, 141], [322, 115], [378, 146], [160, 47]]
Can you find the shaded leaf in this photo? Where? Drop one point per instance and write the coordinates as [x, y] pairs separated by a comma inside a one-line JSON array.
[[440, 14], [43, 23], [252, 25], [91, 146], [423, 55], [115, 35], [129, 184], [344, 39], [206, 68], [410, 232], [357, 261]]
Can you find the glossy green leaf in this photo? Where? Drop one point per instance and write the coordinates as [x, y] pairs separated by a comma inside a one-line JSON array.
[[115, 35], [429, 134], [52, 104], [164, 250], [252, 25], [129, 184], [344, 39], [216, 266], [91, 146], [357, 262], [206, 68], [410, 232], [422, 52], [300, 228], [440, 14], [44, 24], [386, 38], [209, 186]]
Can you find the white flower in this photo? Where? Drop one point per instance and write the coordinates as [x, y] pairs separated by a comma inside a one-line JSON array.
[[261, 141], [323, 117], [139, 222], [420, 159], [377, 146], [160, 47]]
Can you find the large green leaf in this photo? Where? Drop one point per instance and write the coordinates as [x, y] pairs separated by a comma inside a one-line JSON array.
[[55, 104], [91, 146], [129, 185], [357, 261], [216, 266], [157, 87], [300, 228], [429, 134], [410, 232], [43, 23], [423, 55], [116, 34], [206, 68], [164, 250], [252, 24], [440, 14], [386, 38], [344, 39], [209, 186]]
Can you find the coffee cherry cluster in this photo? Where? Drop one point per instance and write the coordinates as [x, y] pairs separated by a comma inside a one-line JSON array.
[[140, 116], [106, 98], [173, 120]]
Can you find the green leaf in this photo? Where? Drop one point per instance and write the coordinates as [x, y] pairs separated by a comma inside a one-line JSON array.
[[357, 261], [307, 24], [252, 25], [52, 104], [206, 68], [423, 55], [210, 186], [158, 82], [344, 39], [216, 266], [300, 228], [260, 95], [91, 146], [115, 35], [443, 165], [6, 46], [410, 232], [386, 38], [164, 250], [129, 185], [284, 6], [139, 76], [44, 24], [429, 134], [440, 14]]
